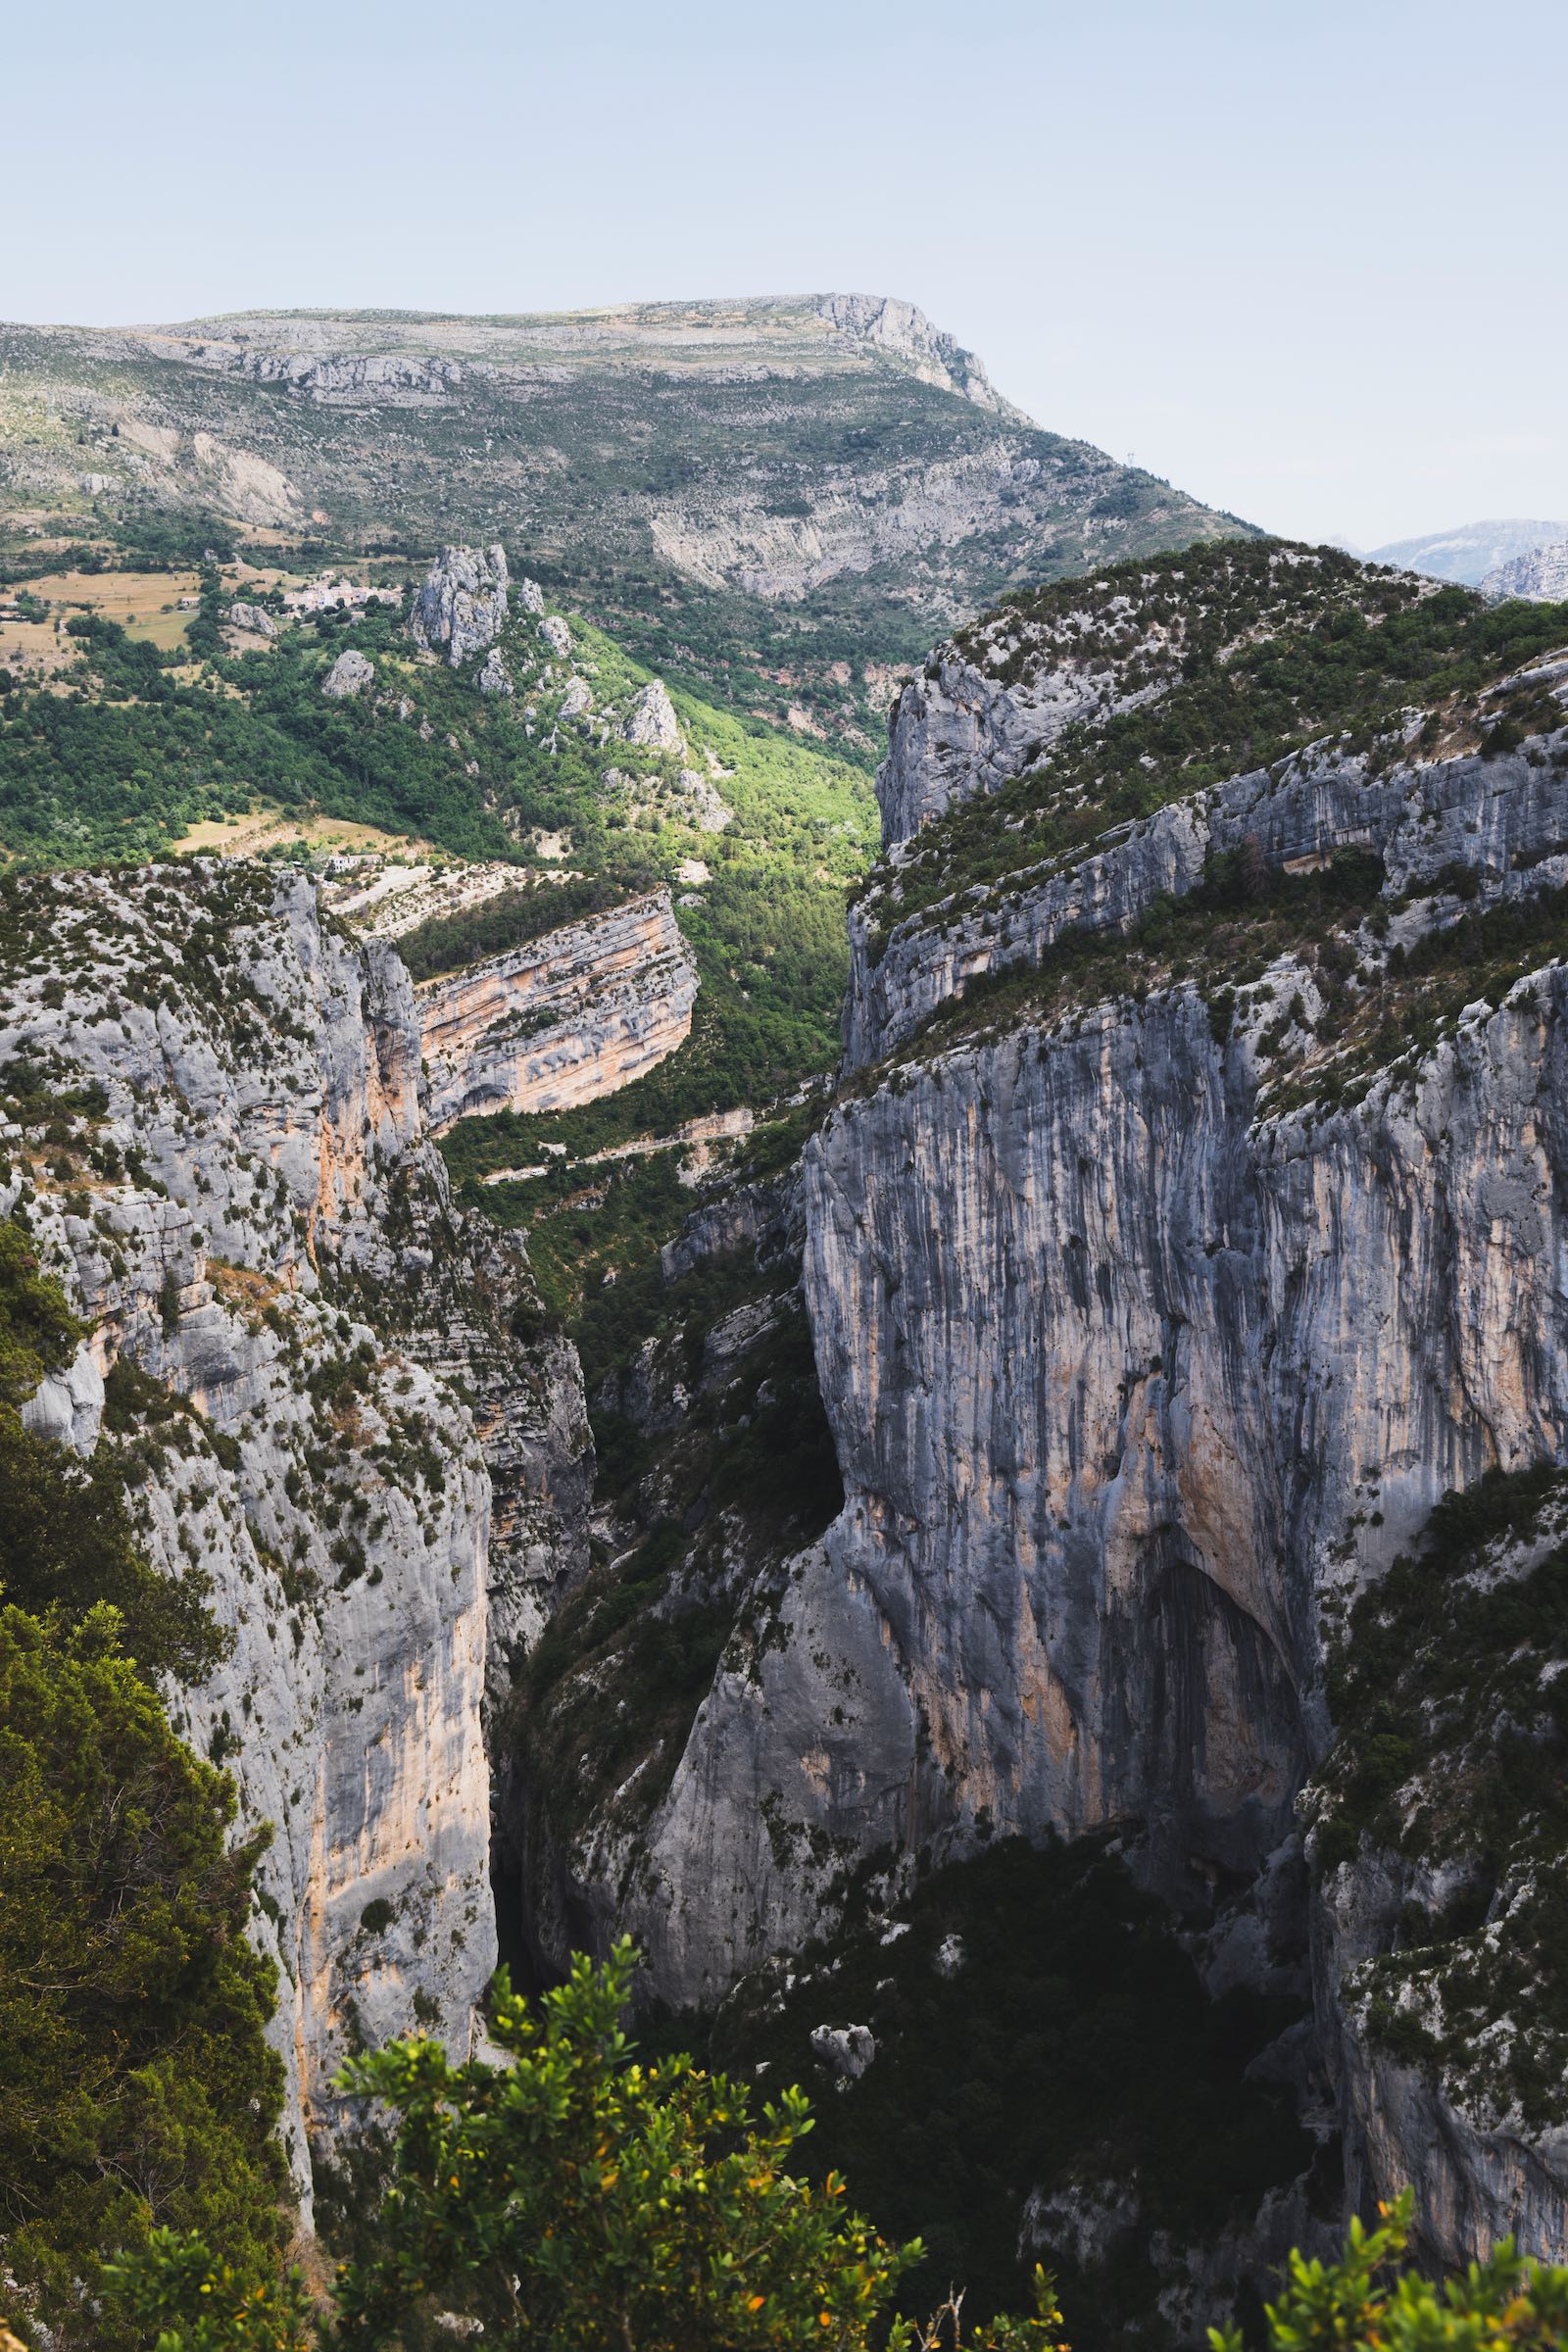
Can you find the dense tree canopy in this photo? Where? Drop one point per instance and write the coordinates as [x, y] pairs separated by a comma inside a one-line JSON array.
[[135, 2087]]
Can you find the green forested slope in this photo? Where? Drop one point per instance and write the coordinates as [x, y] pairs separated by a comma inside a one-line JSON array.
[[136, 2091], [769, 501]]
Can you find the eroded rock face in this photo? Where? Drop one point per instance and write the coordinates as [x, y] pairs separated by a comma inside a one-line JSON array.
[[901, 330], [569, 1017], [1478, 2178], [1119, 1377], [958, 729], [1541, 574], [462, 608], [254, 617], [1137, 1372], [349, 675], [651, 721], [1504, 818], [495, 677], [283, 1252]]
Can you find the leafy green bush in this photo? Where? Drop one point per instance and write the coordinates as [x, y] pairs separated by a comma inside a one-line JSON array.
[[1363, 2304], [136, 2085], [576, 2199]]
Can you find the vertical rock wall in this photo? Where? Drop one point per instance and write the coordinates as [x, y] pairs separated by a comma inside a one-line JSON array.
[[275, 1245]]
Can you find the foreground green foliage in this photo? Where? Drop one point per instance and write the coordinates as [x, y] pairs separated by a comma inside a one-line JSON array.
[[579, 2200], [574, 2199], [136, 2085], [1363, 2303]]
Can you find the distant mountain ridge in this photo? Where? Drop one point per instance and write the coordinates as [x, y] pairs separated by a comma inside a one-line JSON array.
[[1540, 575], [1469, 551], [782, 501]]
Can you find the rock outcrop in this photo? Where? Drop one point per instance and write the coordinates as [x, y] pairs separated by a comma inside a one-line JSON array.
[[461, 607], [1153, 1314], [495, 677], [905, 334], [263, 1240], [1541, 574], [254, 617], [1505, 819], [569, 1017], [349, 675], [651, 722]]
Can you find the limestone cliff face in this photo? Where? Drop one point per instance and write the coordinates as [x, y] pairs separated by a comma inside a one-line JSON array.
[[961, 728], [462, 606], [1479, 2176], [562, 1020], [1137, 1374], [1505, 819], [990, 701], [260, 1229], [1127, 1382], [1541, 574]]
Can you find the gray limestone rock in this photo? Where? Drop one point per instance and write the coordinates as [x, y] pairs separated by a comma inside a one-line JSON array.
[[848, 2050], [1505, 818], [710, 812], [651, 721], [573, 1016], [1540, 575], [349, 675], [530, 596], [495, 677], [393, 1481], [461, 607], [557, 634], [254, 617]]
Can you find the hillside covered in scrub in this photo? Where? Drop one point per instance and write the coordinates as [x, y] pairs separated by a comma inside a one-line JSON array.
[[775, 504]]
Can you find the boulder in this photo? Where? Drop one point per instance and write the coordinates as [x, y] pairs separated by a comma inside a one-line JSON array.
[[495, 677], [350, 674], [530, 596], [254, 617], [848, 2050], [578, 700], [555, 634]]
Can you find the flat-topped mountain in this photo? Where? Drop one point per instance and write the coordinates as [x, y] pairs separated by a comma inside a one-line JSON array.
[[784, 499]]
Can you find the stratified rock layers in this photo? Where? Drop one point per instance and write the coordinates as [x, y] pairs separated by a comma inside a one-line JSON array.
[[1138, 1375], [282, 1250], [569, 1017]]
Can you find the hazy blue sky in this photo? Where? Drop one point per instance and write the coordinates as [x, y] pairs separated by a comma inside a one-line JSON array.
[[1305, 260]]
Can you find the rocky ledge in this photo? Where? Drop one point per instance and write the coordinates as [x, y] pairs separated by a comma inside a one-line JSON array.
[[250, 1217], [562, 1020]]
